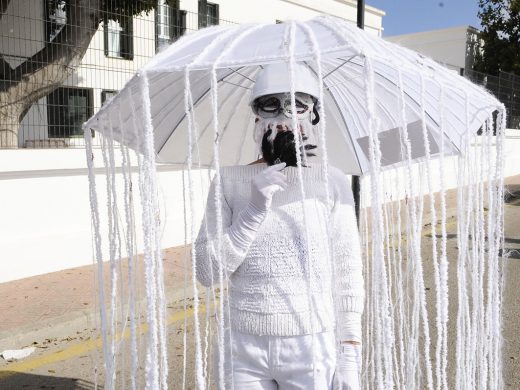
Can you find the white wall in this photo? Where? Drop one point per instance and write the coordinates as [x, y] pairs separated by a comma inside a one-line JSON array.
[[21, 30], [45, 212], [450, 46], [269, 11]]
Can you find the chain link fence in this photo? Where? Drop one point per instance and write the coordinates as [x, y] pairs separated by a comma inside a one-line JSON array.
[[506, 87], [60, 60]]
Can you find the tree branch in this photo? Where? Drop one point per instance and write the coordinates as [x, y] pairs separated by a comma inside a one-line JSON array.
[[67, 48], [3, 6]]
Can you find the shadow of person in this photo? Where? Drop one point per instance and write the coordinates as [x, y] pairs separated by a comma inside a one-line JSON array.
[[11, 380]]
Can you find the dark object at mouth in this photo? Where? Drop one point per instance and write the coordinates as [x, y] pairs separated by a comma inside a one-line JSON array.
[[283, 148]]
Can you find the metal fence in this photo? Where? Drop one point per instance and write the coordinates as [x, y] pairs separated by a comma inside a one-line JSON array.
[[61, 60], [506, 87]]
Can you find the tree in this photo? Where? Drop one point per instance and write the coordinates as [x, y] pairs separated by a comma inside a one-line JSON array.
[[47, 69], [500, 34]]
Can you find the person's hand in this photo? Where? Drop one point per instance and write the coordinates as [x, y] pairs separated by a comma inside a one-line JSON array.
[[265, 184], [348, 366]]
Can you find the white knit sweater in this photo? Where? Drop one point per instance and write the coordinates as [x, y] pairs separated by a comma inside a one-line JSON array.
[[269, 283]]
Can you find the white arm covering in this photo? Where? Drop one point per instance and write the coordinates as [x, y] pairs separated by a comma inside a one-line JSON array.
[[346, 251]]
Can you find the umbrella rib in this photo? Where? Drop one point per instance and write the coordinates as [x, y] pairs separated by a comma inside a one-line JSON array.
[[194, 105], [344, 121], [342, 82], [339, 66], [237, 85], [244, 76]]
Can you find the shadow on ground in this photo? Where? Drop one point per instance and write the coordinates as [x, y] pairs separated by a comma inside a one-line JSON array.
[[512, 194], [10, 380]]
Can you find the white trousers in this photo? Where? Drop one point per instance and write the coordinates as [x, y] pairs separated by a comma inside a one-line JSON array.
[[280, 363]]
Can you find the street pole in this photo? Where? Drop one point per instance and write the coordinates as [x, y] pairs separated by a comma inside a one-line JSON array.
[[361, 14], [356, 186]]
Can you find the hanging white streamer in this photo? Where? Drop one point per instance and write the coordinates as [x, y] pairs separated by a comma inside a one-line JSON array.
[[148, 192], [291, 39], [384, 331], [99, 258], [188, 107]]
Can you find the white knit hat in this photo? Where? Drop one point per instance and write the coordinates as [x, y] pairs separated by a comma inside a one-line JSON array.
[[276, 78]]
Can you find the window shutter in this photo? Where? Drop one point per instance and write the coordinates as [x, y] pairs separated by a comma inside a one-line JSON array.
[[178, 23], [203, 13], [127, 38], [182, 21], [105, 35], [156, 21]]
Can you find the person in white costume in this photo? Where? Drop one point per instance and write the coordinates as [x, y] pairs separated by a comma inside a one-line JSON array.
[[296, 291]]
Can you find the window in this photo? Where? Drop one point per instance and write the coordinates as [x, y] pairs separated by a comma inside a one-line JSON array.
[[208, 14], [170, 23], [119, 40], [67, 110], [107, 94], [56, 18]]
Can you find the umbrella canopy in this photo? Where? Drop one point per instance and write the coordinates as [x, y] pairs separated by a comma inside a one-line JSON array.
[[238, 53]]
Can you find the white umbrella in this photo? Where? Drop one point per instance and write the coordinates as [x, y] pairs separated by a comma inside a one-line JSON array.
[[242, 50], [384, 105]]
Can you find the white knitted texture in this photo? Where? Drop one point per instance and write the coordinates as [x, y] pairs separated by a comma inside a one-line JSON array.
[[155, 368], [433, 218], [189, 109], [283, 309], [109, 180], [108, 357], [185, 292], [383, 329], [130, 249], [442, 382], [291, 29], [116, 278]]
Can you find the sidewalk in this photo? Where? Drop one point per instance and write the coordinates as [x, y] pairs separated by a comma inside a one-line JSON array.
[[37, 304]]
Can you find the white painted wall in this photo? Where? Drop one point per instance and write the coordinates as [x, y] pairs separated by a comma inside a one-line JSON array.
[[20, 31], [269, 11], [45, 210], [453, 47], [45, 213]]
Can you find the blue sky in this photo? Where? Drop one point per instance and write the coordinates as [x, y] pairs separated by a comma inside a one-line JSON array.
[[409, 16]]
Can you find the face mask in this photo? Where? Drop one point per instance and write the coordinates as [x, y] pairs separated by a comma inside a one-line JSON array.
[[278, 104], [274, 133]]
